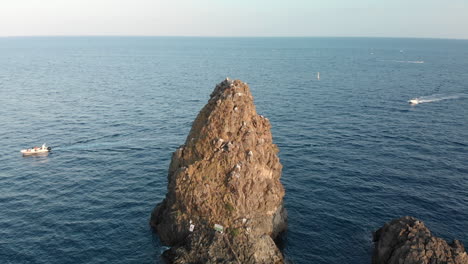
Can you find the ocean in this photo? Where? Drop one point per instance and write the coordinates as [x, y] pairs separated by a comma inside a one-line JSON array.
[[355, 153]]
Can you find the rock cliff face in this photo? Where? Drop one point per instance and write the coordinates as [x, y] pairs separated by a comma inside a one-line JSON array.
[[226, 174], [407, 240]]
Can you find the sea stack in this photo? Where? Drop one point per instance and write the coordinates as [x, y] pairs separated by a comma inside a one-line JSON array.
[[407, 240], [224, 202]]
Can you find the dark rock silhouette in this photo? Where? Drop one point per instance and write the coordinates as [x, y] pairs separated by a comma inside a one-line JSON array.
[[226, 177], [408, 241]]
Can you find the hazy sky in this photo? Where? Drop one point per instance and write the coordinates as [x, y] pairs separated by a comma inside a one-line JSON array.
[[379, 18]]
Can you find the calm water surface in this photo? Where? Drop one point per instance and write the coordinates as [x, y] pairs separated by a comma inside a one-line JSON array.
[[355, 154]]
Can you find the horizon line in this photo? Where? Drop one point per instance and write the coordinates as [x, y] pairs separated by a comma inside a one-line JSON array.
[[225, 36]]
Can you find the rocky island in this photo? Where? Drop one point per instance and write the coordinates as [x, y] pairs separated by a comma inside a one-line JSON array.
[[408, 241], [224, 202]]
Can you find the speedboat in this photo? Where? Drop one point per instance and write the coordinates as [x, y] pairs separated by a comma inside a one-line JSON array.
[[414, 101], [36, 150]]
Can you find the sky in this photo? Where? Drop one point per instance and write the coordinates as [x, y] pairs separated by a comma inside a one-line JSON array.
[[347, 18]]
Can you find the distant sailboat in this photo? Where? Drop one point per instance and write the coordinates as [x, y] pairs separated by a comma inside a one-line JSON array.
[[318, 76]]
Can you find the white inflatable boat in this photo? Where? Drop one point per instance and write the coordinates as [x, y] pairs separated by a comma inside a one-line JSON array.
[[36, 150]]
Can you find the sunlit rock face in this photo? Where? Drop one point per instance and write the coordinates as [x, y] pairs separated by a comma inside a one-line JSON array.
[[226, 174]]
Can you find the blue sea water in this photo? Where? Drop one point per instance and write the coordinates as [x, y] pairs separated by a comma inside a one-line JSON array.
[[355, 154]]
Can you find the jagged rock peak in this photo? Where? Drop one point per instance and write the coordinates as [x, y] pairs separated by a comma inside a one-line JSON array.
[[226, 177], [407, 240]]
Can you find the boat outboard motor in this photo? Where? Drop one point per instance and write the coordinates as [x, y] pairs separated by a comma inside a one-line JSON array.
[[49, 148]]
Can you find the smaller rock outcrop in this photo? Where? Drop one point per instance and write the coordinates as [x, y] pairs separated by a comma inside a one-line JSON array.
[[407, 240]]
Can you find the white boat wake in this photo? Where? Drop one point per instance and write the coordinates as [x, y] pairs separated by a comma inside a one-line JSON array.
[[434, 98], [409, 61], [406, 61]]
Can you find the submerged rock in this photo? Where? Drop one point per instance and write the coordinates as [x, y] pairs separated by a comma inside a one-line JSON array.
[[407, 240], [225, 177]]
